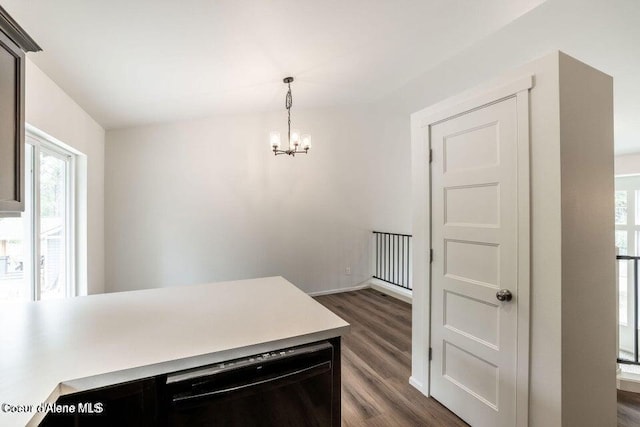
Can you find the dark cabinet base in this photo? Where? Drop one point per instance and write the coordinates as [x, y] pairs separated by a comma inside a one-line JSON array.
[[128, 404], [147, 402]]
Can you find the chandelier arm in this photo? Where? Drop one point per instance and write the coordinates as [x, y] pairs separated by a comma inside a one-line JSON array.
[[290, 152]]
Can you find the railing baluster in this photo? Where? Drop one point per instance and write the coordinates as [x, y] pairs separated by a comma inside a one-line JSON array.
[[635, 311], [389, 265], [380, 259], [408, 260], [406, 277], [397, 259], [403, 273], [377, 252], [393, 259], [384, 256], [381, 256]]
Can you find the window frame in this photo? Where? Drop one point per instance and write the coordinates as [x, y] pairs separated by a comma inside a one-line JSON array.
[[39, 145]]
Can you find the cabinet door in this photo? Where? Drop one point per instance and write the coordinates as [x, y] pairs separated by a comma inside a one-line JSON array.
[[130, 404], [11, 126]]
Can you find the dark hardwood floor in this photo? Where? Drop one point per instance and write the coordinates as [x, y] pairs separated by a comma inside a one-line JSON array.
[[628, 409], [376, 365]]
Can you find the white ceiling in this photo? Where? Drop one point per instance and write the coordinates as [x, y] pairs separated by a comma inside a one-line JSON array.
[[134, 62]]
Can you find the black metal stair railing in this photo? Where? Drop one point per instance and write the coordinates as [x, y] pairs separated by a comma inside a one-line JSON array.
[[393, 258]]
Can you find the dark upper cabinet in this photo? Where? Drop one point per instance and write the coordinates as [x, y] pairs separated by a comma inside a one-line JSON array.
[[14, 42]]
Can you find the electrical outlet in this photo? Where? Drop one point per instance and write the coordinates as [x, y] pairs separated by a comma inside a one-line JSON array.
[[347, 271]]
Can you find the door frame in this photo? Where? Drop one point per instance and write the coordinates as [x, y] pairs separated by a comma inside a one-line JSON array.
[[421, 123]]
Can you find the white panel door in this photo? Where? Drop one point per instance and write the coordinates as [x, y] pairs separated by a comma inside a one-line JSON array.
[[474, 221]]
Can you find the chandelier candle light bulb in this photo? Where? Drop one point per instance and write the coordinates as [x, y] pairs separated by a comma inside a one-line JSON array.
[[306, 142], [293, 135], [274, 140]]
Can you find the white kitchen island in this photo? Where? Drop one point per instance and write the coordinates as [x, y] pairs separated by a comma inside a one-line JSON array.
[[53, 348]]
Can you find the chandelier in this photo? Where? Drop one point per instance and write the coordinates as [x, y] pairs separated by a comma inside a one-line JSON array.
[[297, 143]]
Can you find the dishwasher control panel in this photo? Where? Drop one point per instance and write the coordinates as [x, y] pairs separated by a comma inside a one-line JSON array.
[[256, 359]]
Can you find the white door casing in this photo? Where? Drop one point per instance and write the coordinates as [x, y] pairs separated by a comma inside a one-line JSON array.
[[478, 223]]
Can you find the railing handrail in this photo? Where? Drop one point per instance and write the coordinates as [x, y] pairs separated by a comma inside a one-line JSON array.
[[627, 257], [392, 234]]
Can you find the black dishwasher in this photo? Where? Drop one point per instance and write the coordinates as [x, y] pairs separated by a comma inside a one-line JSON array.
[[291, 387]]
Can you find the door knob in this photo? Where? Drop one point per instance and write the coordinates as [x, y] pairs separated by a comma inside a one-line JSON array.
[[504, 295]]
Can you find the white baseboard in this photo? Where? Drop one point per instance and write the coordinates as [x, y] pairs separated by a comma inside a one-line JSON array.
[[418, 385], [628, 382], [357, 287], [391, 290]]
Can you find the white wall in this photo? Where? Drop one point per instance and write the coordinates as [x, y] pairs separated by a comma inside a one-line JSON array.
[[628, 164], [52, 111], [598, 32], [206, 200], [589, 285]]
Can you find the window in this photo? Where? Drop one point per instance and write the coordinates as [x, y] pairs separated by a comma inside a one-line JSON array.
[[36, 248]]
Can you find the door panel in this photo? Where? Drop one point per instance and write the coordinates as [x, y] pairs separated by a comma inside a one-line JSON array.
[[472, 204], [475, 242], [472, 317]]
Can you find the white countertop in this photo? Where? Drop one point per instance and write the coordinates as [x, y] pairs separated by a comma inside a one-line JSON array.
[[52, 348]]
